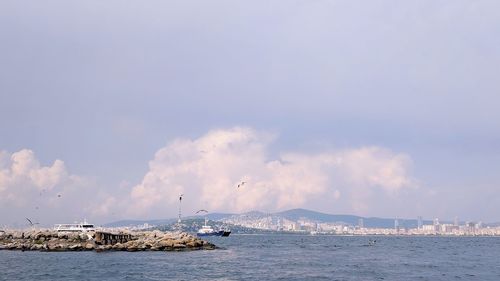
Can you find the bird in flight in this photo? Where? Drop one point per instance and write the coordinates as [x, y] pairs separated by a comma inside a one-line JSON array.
[[241, 183], [31, 223]]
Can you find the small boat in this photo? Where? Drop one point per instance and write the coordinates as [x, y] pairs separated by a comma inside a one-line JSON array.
[[207, 230]]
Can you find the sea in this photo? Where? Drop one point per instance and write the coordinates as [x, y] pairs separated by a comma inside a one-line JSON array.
[[275, 257]]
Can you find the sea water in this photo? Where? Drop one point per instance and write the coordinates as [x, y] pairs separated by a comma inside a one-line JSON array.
[[275, 257]]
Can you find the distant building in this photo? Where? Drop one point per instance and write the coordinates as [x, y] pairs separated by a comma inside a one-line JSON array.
[[471, 227], [436, 225], [297, 226], [448, 228], [419, 222], [361, 223], [428, 228]]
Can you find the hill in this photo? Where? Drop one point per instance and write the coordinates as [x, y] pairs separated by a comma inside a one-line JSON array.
[[292, 215]]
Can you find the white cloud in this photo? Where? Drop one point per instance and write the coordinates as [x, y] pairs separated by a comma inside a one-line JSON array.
[[23, 170], [28, 188], [208, 169]]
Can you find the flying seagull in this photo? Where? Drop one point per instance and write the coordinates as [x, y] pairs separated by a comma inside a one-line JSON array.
[[241, 184], [31, 223]]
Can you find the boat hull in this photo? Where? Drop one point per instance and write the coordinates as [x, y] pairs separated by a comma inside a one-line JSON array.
[[222, 233], [215, 233]]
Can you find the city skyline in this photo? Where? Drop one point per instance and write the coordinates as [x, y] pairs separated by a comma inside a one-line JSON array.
[[301, 221], [112, 110]]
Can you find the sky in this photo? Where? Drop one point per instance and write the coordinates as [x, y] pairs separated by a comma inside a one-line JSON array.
[[111, 109]]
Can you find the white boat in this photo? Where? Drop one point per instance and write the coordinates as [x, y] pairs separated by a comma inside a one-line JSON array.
[[207, 230], [74, 227]]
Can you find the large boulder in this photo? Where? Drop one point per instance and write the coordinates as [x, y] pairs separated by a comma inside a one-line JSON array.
[[89, 246], [83, 236], [75, 247], [62, 235], [178, 246], [194, 244], [118, 246], [36, 235], [36, 247], [166, 243]]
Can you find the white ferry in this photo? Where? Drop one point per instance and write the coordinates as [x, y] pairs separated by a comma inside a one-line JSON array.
[[74, 227]]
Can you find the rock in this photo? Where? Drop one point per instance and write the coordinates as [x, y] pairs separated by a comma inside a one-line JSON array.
[[194, 244], [102, 248], [36, 235], [83, 236], [36, 247], [118, 246], [166, 243], [209, 246], [179, 246], [89, 246], [131, 246], [75, 247]]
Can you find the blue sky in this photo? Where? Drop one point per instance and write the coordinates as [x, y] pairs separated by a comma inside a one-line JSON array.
[[104, 86]]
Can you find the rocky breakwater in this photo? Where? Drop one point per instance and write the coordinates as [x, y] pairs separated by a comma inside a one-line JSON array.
[[49, 240]]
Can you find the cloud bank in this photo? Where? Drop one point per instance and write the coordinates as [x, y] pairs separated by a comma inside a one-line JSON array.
[[208, 169], [43, 193]]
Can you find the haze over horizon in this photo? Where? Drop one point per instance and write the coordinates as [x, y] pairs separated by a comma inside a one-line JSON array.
[[110, 110]]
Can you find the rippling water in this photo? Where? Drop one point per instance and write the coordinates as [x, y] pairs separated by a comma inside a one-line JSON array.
[[275, 257]]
